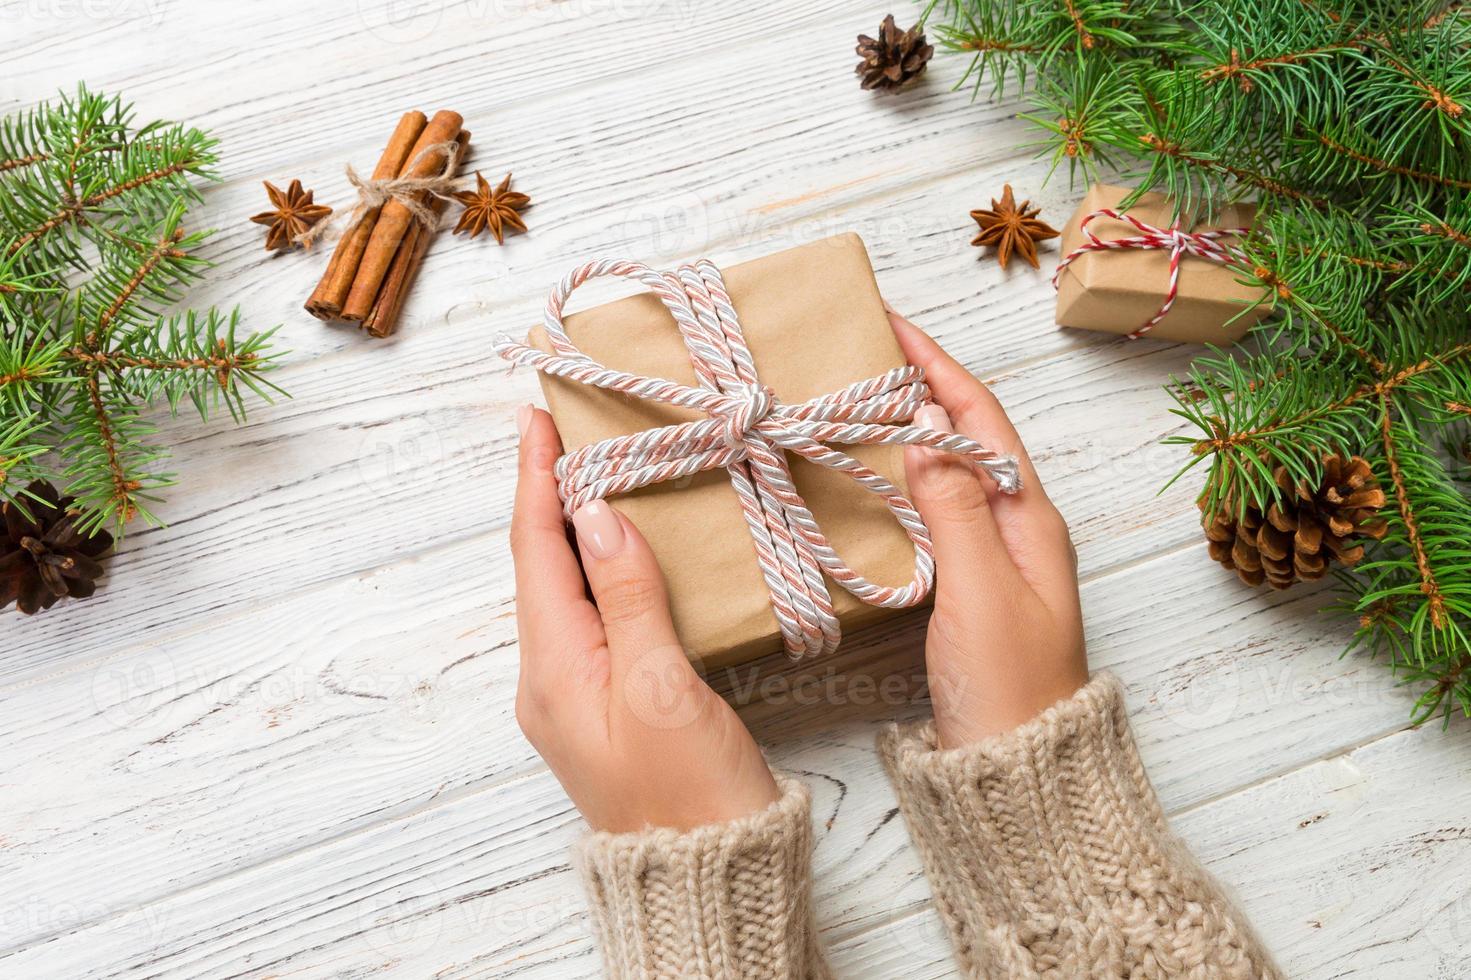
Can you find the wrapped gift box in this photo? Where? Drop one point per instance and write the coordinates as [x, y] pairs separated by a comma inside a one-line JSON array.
[[1119, 290], [814, 321]]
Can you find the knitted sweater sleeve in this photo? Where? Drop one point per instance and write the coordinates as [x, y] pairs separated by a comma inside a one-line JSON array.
[[1049, 856], [720, 902]]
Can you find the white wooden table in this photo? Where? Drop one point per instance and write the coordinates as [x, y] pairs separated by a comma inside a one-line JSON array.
[[280, 742]]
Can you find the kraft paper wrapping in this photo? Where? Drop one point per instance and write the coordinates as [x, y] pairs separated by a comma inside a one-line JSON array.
[[814, 321], [1119, 291]]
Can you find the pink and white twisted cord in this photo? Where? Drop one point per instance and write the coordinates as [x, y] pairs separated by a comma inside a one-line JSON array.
[[1201, 244], [748, 431]]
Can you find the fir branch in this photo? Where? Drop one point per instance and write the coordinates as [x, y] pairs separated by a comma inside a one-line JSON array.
[[18, 450], [86, 350], [1449, 11], [1085, 38], [22, 141], [1235, 69], [1435, 97], [1428, 583], [1442, 230], [1000, 45], [80, 124], [1414, 95], [1347, 122], [1437, 244], [166, 248], [17, 162], [1183, 154], [1342, 337], [222, 364], [201, 358], [1078, 111], [120, 500], [1320, 425], [74, 211], [1385, 166]]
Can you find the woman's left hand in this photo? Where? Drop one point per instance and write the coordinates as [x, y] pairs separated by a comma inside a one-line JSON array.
[[607, 695]]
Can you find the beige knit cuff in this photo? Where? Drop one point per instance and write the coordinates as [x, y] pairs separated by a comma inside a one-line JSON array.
[[1074, 757], [1049, 854], [729, 900]]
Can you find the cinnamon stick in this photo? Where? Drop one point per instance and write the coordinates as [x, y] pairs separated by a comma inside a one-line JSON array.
[[331, 293], [394, 221], [382, 320]]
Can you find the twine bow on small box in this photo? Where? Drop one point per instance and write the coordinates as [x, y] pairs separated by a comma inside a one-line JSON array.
[[1201, 244], [748, 431]]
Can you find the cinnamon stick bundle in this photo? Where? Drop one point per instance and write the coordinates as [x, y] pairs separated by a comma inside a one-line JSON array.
[[382, 319], [376, 261], [327, 299], [393, 224]]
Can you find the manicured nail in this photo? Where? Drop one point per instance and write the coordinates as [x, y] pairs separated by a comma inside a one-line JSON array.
[[933, 417], [523, 418], [598, 529]]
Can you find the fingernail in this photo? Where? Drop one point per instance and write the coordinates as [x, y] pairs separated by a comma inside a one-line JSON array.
[[523, 418], [598, 529], [889, 308], [933, 417]]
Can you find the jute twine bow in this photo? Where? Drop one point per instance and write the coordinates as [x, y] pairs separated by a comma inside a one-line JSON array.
[[746, 432], [1201, 244], [408, 191]]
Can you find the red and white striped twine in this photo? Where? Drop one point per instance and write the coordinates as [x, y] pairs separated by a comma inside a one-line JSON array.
[[747, 432], [1202, 244]]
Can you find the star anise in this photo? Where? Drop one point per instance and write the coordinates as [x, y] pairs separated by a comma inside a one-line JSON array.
[[494, 209], [1012, 228], [293, 213]]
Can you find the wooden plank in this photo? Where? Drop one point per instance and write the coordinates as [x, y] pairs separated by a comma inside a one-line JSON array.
[[1340, 877], [259, 477], [280, 79], [372, 463], [267, 734], [479, 885], [686, 181], [282, 739], [920, 251]]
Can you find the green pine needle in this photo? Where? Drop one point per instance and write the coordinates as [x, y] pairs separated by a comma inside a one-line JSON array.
[[1348, 122], [95, 257]]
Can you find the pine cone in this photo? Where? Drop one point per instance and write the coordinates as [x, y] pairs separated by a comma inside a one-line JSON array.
[[894, 58], [1301, 534], [44, 557]]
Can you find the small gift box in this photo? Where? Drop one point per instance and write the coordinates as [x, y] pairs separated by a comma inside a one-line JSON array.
[[1130, 271], [799, 359]]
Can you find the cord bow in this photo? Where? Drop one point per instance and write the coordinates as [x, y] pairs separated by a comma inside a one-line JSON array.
[[1201, 244], [748, 431]]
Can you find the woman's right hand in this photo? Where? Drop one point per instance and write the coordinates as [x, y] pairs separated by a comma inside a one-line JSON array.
[[1006, 636]]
